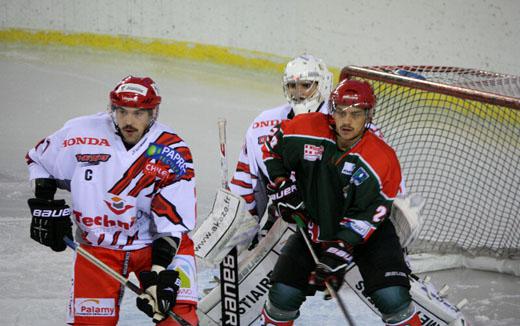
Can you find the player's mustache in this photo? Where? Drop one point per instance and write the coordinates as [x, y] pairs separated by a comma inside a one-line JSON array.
[[129, 127], [345, 126]]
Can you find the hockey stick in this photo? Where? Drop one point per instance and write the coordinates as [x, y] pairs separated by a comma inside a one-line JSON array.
[[228, 266], [223, 159], [333, 293], [120, 278]]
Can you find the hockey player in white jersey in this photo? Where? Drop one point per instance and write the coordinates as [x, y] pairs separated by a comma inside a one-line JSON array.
[[132, 185], [306, 84]]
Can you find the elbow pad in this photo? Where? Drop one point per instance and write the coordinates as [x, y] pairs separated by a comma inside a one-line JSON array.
[[163, 250]]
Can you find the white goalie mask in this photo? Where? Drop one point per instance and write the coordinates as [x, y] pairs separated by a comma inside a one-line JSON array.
[[304, 69]]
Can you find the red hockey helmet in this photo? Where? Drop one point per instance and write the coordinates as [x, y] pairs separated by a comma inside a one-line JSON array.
[[354, 93], [136, 92]]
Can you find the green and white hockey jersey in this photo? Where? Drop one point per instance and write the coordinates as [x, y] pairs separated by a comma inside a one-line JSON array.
[[347, 194]]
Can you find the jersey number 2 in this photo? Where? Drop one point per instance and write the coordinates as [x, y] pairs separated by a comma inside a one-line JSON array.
[[380, 213]]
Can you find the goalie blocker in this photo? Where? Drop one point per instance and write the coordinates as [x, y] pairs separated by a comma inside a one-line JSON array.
[[256, 266], [228, 225]]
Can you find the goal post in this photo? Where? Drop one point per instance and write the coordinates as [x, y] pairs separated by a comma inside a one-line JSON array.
[[457, 135]]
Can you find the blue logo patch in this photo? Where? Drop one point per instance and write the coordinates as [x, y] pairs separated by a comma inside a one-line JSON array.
[[168, 156], [359, 176]]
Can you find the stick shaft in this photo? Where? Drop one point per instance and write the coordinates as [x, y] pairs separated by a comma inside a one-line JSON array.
[[230, 316], [223, 159], [331, 290]]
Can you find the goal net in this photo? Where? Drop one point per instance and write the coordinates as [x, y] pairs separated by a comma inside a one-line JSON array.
[[457, 135]]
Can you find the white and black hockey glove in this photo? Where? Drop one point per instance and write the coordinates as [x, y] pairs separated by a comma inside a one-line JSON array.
[[50, 218], [332, 266], [161, 287], [287, 199], [272, 216]]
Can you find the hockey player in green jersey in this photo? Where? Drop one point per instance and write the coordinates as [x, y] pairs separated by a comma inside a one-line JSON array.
[[346, 179]]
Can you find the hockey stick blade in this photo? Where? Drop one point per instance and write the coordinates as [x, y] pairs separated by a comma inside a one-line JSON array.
[[120, 278]]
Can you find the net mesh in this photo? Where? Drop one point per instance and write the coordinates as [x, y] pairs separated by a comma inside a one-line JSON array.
[[461, 155]]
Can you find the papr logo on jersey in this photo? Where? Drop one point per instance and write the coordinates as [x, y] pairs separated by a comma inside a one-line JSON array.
[[117, 205], [312, 152], [168, 156]]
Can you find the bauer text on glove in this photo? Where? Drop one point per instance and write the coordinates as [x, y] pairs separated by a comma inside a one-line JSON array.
[[333, 263], [287, 199]]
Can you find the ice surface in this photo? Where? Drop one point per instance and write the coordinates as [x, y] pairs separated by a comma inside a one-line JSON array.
[[41, 88]]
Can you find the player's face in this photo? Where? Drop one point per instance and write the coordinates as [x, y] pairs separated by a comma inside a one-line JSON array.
[[301, 89], [132, 122], [350, 124]]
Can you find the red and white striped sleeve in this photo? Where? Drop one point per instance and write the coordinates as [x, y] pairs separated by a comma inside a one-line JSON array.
[[245, 178]]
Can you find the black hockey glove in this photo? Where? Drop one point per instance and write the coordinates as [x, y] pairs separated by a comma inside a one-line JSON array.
[[50, 222], [161, 287], [287, 200], [332, 266]]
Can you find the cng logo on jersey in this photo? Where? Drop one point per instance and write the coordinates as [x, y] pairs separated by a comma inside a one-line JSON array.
[[118, 205], [94, 307]]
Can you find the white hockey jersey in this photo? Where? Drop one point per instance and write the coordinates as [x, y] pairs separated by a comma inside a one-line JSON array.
[[121, 199], [249, 179]]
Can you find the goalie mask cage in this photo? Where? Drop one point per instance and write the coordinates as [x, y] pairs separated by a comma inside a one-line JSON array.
[[457, 135]]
